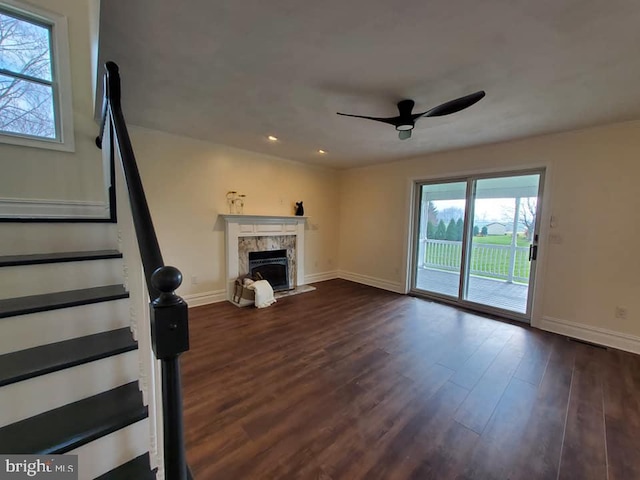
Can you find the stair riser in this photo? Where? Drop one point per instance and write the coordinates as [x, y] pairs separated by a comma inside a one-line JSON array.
[[40, 394], [25, 280], [35, 329], [24, 239], [108, 452]]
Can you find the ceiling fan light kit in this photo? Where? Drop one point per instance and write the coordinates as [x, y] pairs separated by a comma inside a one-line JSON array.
[[406, 120]]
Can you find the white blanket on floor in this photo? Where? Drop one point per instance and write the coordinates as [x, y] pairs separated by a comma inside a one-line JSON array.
[[264, 293]]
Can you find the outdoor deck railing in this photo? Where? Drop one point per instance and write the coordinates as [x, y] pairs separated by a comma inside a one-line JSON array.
[[494, 261]]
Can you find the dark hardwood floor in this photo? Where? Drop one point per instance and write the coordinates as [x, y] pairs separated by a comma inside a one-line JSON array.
[[352, 382]]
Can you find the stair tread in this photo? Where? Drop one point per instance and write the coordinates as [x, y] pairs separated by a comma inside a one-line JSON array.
[[50, 301], [70, 426], [137, 469], [41, 258], [32, 362]]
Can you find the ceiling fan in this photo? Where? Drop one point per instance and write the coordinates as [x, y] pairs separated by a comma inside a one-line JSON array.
[[405, 122]]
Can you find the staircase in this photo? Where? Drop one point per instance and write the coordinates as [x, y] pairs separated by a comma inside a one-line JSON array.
[[75, 342], [69, 364]]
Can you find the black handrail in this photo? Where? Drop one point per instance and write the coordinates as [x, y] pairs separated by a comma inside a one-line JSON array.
[[113, 216], [169, 312], [147, 240]]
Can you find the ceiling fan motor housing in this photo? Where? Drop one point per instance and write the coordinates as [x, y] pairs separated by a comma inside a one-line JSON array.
[[405, 120]]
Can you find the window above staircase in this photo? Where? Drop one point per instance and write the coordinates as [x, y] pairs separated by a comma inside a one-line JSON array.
[[35, 79]]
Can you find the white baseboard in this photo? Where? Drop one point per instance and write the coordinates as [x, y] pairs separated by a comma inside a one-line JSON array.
[[371, 281], [600, 336], [57, 209], [205, 298], [320, 277]]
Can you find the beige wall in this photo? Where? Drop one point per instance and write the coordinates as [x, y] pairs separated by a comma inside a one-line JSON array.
[[46, 174], [186, 182], [592, 192]]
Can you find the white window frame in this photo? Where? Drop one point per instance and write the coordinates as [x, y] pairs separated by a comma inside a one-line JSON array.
[[61, 75]]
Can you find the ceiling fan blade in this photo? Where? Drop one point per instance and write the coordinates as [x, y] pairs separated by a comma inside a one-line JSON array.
[[390, 121], [404, 134], [452, 106]]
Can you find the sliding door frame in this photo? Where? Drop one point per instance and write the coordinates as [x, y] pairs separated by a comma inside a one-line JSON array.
[[470, 180]]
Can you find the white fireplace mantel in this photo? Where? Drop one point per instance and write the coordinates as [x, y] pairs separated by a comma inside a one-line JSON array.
[[237, 226]]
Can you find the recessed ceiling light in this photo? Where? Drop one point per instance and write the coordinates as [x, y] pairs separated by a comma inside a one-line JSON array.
[[272, 138], [322, 152]]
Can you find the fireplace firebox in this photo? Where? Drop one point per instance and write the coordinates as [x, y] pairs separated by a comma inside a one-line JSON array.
[[273, 266]]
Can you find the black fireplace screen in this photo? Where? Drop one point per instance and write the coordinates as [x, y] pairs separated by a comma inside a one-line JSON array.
[[273, 265]]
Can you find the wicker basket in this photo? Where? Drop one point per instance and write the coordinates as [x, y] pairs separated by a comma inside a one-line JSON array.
[[243, 295]]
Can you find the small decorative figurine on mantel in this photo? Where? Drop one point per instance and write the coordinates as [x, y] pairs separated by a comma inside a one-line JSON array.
[[299, 209], [235, 202], [232, 195]]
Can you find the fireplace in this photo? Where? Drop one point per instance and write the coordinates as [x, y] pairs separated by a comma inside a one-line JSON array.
[[259, 233], [273, 266]]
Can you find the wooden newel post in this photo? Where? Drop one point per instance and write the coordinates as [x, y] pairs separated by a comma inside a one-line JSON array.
[[170, 337]]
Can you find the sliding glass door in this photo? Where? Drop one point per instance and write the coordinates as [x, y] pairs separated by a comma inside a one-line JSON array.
[[476, 241]]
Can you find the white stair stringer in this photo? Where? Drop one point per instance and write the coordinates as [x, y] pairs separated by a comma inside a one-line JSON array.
[[37, 395], [41, 328]]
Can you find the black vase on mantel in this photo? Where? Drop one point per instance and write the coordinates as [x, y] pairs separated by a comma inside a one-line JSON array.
[[299, 209]]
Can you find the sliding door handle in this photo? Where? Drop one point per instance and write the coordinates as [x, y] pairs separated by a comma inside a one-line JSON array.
[[533, 252]]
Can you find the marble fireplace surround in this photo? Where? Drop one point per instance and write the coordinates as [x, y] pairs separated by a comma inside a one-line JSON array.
[[271, 232]]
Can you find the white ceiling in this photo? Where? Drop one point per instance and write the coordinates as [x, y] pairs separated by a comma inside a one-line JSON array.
[[234, 71]]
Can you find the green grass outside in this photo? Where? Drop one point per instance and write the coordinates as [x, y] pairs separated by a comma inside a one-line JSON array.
[[501, 240], [493, 264]]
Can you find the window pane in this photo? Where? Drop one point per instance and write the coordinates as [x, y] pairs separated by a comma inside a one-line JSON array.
[[26, 108], [25, 47], [439, 261]]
